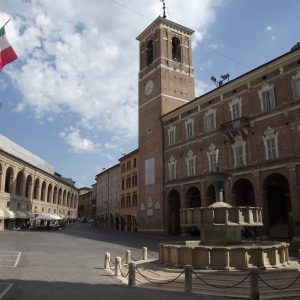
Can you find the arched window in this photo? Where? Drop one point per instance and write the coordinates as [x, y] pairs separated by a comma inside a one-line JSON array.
[[176, 49], [43, 193], [0, 177], [8, 180], [59, 196], [55, 195], [28, 186], [20, 184], [36, 189], [64, 198], [68, 199], [49, 194], [149, 50]]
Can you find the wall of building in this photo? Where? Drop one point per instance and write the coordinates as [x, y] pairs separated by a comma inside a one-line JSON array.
[[129, 191], [259, 174], [29, 190], [108, 197]]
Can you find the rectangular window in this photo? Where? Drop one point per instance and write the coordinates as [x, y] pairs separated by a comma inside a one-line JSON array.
[[271, 148], [189, 129], [213, 162], [239, 153], [123, 183], [134, 200], [191, 167], [128, 182], [171, 136], [268, 98], [296, 88], [209, 122], [236, 111], [134, 162], [128, 165], [123, 168], [127, 200], [172, 171]]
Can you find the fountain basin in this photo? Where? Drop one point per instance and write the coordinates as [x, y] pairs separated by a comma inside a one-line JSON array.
[[262, 254]]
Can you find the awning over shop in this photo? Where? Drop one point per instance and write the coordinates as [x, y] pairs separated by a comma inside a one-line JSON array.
[[20, 214], [47, 217], [8, 214]]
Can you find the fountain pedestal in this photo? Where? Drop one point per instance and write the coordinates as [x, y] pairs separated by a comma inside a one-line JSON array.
[[221, 245]]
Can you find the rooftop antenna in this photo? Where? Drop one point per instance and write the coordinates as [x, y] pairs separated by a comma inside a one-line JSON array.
[[164, 9]]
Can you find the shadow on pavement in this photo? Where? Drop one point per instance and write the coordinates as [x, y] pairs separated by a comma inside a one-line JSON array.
[[37, 290]]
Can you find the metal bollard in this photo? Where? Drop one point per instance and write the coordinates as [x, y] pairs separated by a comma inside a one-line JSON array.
[[128, 256], [118, 266], [131, 274], [188, 275], [145, 253], [106, 260], [254, 290]]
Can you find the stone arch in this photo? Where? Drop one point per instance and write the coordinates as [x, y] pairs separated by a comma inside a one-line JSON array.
[[193, 197], [20, 183], [36, 188], [68, 199], [277, 206], [173, 212], [59, 196], [72, 200], [75, 202], [1, 168], [49, 194], [28, 188], [111, 220], [64, 198], [176, 49], [150, 52], [55, 194], [43, 191], [9, 179], [211, 195], [243, 193]]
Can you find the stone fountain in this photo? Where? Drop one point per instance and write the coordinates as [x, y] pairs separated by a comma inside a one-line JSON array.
[[221, 245]]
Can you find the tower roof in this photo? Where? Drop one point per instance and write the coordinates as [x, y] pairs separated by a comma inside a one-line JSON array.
[[165, 22]]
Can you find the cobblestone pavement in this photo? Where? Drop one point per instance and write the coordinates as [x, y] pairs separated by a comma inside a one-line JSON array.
[[69, 265]]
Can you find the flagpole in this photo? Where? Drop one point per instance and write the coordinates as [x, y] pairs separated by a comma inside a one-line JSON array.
[[5, 23]]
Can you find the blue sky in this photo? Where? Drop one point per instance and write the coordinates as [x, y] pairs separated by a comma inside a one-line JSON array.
[[71, 97]]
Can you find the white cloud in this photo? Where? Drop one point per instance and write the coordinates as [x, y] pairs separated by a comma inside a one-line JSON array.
[[82, 58], [78, 144], [269, 28]]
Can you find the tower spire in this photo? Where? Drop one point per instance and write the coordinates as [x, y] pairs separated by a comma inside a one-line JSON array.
[[164, 9]]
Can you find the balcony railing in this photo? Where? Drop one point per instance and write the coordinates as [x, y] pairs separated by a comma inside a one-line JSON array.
[[235, 125]]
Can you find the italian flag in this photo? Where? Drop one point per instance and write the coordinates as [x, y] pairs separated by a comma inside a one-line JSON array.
[[7, 53]]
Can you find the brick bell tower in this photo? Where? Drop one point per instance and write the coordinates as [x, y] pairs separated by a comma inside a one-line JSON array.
[[166, 81]]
